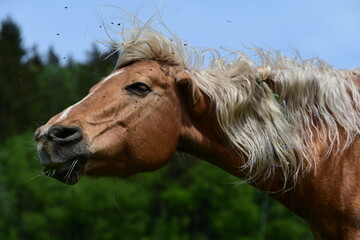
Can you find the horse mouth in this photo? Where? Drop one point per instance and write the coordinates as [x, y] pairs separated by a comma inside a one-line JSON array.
[[69, 172]]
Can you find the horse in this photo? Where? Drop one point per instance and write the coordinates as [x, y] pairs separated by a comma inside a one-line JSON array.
[[286, 125]]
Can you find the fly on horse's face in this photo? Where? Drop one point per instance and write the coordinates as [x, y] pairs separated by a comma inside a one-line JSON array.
[[129, 122]]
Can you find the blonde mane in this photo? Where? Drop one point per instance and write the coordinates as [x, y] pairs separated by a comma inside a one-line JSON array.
[[271, 110]]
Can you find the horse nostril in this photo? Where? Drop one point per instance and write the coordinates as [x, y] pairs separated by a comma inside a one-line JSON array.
[[63, 134]]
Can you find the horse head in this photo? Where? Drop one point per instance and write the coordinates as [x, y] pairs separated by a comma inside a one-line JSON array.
[[131, 121]]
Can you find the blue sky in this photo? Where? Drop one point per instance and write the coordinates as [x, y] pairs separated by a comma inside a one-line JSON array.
[[328, 29]]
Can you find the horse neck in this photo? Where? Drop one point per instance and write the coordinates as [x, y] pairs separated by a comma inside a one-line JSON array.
[[203, 137], [205, 140]]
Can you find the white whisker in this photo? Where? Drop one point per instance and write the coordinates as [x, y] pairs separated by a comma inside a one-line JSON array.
[[68, 174], [37, 176]]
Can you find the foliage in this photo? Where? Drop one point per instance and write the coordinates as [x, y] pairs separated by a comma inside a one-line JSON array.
[[188, 199]]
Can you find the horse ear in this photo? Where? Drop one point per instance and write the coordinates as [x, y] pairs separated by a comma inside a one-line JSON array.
[[192, 93]]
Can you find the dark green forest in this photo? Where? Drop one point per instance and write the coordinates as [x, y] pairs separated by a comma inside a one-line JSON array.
[[187, 199]]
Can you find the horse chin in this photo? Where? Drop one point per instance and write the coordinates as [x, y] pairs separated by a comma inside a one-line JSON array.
[[102, 169], [69, 172]]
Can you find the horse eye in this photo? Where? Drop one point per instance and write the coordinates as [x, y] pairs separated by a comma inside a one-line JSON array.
[[138, 88]]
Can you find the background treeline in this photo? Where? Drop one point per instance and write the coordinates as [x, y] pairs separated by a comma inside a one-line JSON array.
[[188, 199]]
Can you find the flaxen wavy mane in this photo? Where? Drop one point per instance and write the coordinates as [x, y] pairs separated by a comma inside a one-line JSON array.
[[272, 110]]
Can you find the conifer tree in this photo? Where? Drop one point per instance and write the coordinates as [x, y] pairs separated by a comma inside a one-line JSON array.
[[11, 77]]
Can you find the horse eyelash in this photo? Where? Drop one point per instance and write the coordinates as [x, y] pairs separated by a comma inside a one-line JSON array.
[[138, 88]]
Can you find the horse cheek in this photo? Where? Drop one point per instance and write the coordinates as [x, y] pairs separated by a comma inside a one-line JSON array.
[[155, 144]]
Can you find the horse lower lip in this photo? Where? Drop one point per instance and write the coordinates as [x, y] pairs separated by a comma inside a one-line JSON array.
[[68, 173]]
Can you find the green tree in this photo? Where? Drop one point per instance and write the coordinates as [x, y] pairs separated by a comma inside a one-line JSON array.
[[11, 49], [12, 81], [34, 58], [52, 58]]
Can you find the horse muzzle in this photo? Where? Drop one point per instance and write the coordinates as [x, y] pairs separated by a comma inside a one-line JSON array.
[[63, 151]]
